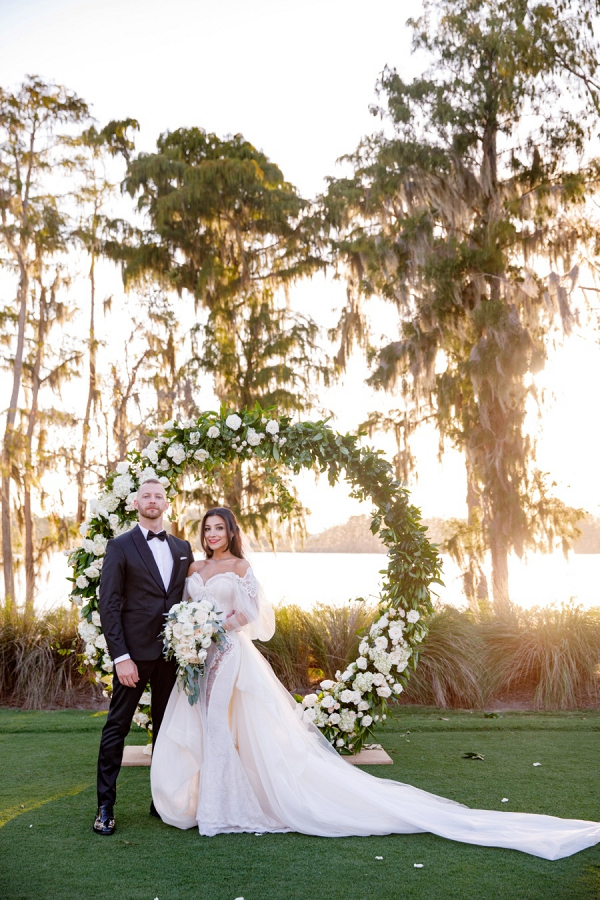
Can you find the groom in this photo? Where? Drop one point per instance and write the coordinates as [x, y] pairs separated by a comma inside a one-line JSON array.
[[143, 576]]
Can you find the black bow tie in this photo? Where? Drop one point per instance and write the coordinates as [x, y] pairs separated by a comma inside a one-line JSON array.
[[161, 535]]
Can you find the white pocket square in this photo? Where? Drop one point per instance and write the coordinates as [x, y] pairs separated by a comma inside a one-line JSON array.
[[183, 557]]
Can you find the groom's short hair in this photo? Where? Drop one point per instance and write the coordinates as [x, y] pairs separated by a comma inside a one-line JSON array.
[[152, 481]]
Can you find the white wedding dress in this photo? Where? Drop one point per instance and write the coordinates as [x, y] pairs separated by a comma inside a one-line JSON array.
[[243, 760]]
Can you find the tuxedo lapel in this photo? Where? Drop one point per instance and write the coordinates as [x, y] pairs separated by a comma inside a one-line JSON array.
[[176, 561], [145, 552]]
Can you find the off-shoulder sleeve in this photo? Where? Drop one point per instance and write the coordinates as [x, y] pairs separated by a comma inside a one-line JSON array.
[[254, 614]]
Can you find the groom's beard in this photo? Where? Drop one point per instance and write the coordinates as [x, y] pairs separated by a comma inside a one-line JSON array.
[[150, 513]]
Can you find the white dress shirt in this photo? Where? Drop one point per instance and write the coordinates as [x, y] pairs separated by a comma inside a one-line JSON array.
[[162, 556]]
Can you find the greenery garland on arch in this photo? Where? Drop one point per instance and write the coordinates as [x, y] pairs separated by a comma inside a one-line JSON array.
[[346, 709]]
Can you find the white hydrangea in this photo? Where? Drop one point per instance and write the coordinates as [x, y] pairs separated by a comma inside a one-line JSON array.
[[233, 421], [147, 473], [122, 485], [129, 507]]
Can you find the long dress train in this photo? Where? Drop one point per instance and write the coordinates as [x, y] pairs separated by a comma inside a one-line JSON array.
[[243, 760]]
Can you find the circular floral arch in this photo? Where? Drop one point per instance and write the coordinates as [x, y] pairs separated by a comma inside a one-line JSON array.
[[346, 709]]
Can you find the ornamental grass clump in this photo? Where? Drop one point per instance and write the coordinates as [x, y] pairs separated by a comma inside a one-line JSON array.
[[450, 672], [550, 654], [334, 634], [288, 651], [38, 660]]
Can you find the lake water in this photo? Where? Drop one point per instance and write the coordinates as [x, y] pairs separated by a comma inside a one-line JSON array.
[[310, 578]]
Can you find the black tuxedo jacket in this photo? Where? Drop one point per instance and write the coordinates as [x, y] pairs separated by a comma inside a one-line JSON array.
[[133, 600]]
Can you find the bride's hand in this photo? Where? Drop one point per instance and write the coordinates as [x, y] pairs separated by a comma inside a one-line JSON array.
[[230, 615]]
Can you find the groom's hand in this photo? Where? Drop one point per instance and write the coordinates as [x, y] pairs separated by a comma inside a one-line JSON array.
[[128, 673]]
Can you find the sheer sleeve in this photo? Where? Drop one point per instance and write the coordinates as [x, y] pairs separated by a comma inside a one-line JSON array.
[[253, 615]]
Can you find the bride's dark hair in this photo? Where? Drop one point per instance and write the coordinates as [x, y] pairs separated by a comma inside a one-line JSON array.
[[231, 526]]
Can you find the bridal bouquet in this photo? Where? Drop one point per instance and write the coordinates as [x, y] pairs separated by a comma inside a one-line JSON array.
[[190, 628]]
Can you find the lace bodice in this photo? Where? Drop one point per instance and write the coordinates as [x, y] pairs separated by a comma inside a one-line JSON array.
[[228, 591]]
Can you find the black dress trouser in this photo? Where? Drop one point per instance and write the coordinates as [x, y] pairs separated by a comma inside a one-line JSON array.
[[161, 674]]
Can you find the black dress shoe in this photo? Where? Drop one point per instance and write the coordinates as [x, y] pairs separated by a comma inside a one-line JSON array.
[[104, 823], [154, 811]]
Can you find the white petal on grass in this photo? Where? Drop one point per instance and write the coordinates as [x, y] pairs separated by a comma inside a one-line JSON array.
[[537, 764], [417, 865], [379, 857], [505, 799]]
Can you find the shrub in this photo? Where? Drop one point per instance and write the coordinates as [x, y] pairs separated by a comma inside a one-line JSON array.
[[38, 660], [551, 654], [450, 668]]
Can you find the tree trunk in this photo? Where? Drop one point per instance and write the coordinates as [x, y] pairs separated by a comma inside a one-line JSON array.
[[91, 400], [28, 467], [8, 446], [499, 548]]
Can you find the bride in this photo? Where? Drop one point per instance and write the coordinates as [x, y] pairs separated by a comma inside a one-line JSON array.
[[243, 760]]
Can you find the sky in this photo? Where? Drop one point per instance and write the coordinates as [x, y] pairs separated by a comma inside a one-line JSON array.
[[296, 79]]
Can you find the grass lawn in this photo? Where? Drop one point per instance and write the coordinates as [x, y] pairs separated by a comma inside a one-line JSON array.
[[48, 798]]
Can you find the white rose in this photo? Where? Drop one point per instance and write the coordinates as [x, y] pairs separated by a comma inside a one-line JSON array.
[[141, 719], [177, 453], [381, 643], [194, 438], [363, 705], [213, 432], [129, 507], [309, 700], [378, 679], [164, 465], [201, 455], [362, 663], [114, 521], [107, 664], [96, 618], [88, 545], [401, 612], [253, 437], [366, 721], [122, 468], [395, 631], [340, 742], [397, 688], [83, 528], [272, 427], [82, 582], [412, 616], [164, 481], [150, 454], [384, 691], [92, 572], [145, 698], [334, 719], [100, 642], [168, 424], [327, 702], [233, 421], [327, 684]]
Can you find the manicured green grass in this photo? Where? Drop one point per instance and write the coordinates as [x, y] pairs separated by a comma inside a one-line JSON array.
[[47, 803]]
